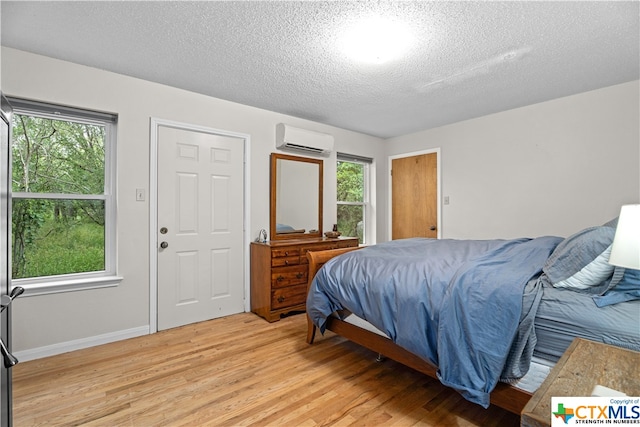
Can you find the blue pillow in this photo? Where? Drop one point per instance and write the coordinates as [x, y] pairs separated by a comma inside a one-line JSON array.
[[580, 262], [628, 289], [611, 223]]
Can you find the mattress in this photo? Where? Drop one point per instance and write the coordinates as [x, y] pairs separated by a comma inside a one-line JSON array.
[[564, 314]]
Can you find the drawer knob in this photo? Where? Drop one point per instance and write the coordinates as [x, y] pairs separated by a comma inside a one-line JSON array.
[[280, 298], [299, 276], [280, 279], [286, 262], [286, 253]]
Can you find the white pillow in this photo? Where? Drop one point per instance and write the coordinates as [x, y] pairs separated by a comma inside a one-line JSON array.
[[592, 274]]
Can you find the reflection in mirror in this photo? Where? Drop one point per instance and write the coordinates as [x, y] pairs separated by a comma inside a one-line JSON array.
[[293, 183], [296, 197]]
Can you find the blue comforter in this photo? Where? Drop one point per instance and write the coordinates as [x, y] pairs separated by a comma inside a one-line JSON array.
[[467, 306]]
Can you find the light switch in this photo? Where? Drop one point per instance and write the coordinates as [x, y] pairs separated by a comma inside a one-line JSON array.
[[139, 194], [446, 200]]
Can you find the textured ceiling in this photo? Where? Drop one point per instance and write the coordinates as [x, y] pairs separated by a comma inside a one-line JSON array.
[[469, 58]]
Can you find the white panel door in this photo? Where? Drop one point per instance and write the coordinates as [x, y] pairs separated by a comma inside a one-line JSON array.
[[200, 226]]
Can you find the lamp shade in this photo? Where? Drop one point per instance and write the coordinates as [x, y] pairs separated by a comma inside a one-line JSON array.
[[626, 243]]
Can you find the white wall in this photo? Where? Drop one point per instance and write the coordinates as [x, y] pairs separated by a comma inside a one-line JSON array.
[[53, 321], [549, 168]]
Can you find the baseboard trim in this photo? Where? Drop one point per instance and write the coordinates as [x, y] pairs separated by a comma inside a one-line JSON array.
[[64, 347]]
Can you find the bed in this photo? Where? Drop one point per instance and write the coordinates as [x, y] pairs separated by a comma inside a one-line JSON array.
[[481, 316]]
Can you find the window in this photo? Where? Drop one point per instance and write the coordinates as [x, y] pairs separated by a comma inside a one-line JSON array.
[[353, 196], [63, 204]]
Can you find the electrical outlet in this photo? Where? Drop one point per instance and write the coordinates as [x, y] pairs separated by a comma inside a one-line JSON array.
[[139, 194]]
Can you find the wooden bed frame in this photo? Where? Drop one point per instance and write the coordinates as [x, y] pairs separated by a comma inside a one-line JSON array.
[[505, 396]]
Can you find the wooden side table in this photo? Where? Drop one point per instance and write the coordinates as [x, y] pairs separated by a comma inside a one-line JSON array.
[[584, 365]]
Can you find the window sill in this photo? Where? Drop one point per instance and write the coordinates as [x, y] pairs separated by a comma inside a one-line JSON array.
[[56, 286]]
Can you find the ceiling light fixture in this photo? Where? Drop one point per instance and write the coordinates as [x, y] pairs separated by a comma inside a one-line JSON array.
[[376, 40]]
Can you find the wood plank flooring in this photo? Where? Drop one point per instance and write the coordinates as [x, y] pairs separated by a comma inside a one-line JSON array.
[[236, 371]]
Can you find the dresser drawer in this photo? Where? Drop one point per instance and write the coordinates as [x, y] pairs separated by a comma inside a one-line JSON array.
[[347, 243], [304, 250], [285, 261], [335, 244], [285, 256], [288, 276], [322, 247], [284, 252], [289, 296]]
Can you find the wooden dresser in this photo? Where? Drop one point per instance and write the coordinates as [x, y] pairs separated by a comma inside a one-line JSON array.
[[280, 271]]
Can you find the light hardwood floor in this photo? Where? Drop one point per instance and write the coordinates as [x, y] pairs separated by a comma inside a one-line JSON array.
[[238, 370]]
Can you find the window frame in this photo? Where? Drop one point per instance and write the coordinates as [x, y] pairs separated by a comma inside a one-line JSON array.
[[366, 196], [85, 280]]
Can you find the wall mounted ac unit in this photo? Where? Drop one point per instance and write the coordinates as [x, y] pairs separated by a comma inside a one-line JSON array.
[[291, 138]]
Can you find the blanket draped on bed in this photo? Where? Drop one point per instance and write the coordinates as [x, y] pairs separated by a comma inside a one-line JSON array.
[[467, 306]]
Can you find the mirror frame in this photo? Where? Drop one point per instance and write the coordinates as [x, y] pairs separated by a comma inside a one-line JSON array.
[[274, 169]]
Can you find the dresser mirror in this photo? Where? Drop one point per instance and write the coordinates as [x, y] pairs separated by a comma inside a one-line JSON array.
[[296, 197]]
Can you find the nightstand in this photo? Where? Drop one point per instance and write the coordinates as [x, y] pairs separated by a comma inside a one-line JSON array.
[[584, 365]]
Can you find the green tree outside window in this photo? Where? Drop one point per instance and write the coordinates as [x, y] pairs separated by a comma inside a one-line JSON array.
[[351, 198], [58, 203]]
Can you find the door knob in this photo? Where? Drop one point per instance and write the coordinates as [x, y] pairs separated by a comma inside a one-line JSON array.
[[164, 245], [9, 359], [5, 300]]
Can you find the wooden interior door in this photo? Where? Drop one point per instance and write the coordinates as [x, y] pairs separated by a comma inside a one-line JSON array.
[[414, 194]]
